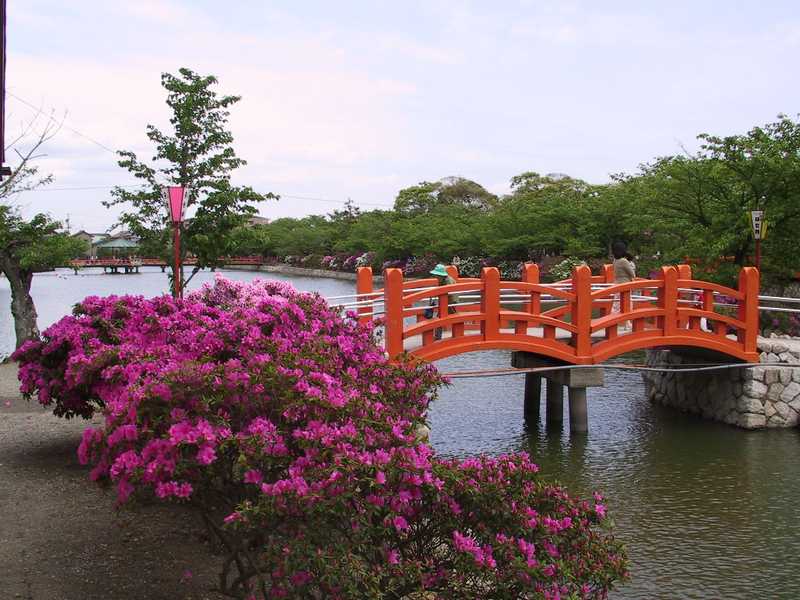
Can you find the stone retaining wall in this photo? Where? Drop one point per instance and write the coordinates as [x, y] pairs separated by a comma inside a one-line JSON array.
[[752, 398]]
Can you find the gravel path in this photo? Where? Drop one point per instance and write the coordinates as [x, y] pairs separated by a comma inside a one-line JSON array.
[[61, 537]]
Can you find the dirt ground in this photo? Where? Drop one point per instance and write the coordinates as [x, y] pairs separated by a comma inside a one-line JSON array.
[[61, 537]]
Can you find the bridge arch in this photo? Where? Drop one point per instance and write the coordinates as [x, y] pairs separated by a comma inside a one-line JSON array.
[[583, 320]]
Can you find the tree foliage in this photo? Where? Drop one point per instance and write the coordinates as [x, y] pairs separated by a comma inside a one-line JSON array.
[[197, 154], [693, 206], [29, 245]]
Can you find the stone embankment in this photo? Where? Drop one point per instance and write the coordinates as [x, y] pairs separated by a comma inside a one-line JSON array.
[[298, 271], [751, 398]]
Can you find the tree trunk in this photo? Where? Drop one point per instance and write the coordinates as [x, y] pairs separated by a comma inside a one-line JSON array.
[[22, 307]]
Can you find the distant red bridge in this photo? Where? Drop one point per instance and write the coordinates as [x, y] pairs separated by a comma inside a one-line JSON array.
[[131, 265]]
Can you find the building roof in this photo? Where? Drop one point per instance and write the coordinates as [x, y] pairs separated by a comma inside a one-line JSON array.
[[118, 242]]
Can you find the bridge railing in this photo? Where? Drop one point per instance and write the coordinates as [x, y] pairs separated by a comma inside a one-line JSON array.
[[592, 319]]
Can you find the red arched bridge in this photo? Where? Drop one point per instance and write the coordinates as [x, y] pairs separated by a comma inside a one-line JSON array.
[[582, 320]]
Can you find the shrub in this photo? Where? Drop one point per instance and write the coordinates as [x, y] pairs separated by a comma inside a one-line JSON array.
[[295, 437], [563, 270]]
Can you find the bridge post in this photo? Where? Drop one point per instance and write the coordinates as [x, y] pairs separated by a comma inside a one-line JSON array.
[[582, 313], [575, 380], [457, 330], [668, 300], [608, 274], [555, 402], [364, 286], [748, 309], [490, 303], [393, 294], [685, 272], [578, 411], [530, 274], [533, 395]]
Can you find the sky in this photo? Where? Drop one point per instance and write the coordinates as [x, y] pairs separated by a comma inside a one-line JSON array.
[[359, 100]]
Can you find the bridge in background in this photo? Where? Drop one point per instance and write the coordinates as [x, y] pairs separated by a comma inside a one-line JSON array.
[[573, 321], [584, 320], [131, 265]]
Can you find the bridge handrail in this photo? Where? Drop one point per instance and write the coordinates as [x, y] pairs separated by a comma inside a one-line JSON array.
[[708, 285], [714, 316], [629, 286], [442, 290], [607, 321], [512, 315], [539, 288], [663, 315]]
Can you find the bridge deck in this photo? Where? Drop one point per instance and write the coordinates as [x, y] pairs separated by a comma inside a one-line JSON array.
[[585, 326]]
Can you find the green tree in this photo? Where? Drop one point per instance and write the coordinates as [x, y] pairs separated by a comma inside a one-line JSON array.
[[28, 246], [698, 204], [197, 154], [542, 215], [450, 191]]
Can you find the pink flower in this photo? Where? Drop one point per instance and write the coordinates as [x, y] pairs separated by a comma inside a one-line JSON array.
[[400, 524]]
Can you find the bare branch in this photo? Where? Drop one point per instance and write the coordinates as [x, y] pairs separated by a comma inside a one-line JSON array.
[[24, 177]]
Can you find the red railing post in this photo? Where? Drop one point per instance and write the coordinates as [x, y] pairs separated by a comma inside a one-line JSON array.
[[608, 275], [530, 274], [749, 282], [685, 272], [490, 303], [393, 295], [582, 312], [458, 328], [364, 286], [668, 300]]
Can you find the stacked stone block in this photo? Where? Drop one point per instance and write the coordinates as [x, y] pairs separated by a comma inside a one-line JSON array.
[[752, 398]]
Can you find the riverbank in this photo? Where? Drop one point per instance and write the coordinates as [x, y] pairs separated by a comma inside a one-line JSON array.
[[59, 535], [300, 272]]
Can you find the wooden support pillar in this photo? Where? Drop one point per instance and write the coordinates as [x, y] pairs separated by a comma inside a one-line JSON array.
[[576, 380], [578, 414], [555, 402], [533, 394]]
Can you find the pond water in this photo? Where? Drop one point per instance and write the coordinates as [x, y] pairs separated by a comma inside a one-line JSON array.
[[706, 510]]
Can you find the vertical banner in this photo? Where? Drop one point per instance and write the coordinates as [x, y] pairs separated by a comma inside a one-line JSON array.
[[757, 220]]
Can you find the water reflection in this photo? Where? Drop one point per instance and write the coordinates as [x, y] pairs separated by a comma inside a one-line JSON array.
[[707, 511]]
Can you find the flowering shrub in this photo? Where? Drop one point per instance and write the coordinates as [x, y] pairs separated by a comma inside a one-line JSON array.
[[563, 270], [420, 265], [468, 267], [780, 323], [291, 432]]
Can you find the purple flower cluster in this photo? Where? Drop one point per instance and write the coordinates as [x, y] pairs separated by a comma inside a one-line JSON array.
[[285, 424]]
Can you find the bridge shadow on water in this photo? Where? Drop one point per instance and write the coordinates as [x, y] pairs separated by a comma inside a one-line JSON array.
[[706, 510]]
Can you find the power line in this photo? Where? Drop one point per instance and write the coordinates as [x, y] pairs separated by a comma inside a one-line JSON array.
[[114, 152], [289, 196], [61, 123]]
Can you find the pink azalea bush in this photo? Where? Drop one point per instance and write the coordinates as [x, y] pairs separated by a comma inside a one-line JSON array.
[[285, 425]]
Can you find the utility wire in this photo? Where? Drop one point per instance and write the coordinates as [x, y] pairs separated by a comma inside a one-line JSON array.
[[292, 197], [114, 152], [61, 123]]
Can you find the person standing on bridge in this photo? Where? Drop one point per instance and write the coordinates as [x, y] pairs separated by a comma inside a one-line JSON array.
[[444, 278], [624, 271]]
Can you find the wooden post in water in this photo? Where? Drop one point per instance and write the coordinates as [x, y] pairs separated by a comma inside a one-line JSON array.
[[533, 395], [555, 402], [578, 411]]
